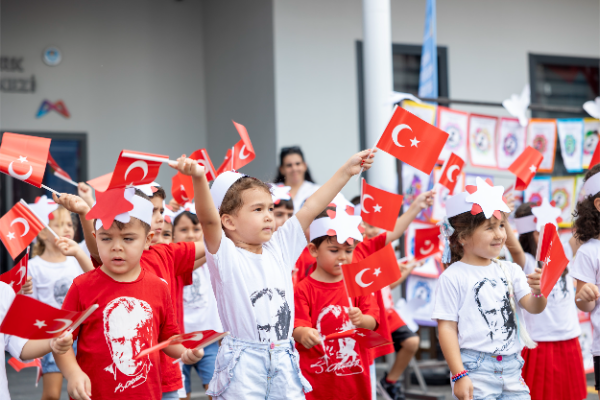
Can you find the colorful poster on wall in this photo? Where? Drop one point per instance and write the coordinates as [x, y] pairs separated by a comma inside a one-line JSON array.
[[511, 141], [570, 135], [422, 288], [538, 189], [424, 111], [442, 193], [415, 182], [456, 124], [563, 193], [590, 139], [541, 135], [482, 141]]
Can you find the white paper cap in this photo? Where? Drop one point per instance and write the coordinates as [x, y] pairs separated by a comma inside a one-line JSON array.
[[457, 204], [42, 208], [592, 185], [221, 185], [345, 226], [526, 224], [142, 209], [147, 189]]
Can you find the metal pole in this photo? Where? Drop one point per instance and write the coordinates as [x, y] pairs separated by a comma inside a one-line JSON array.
[[534, 107]]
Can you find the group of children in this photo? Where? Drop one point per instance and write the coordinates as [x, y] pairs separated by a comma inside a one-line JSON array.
[[268, 271]]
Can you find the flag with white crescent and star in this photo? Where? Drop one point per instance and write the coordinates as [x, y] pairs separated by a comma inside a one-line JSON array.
[[452, 169], [427, 242], [552, 254], [378, 207], [29, 318], [129, 171], [18, 227], [372, 273], [412, 140], [525, 167], [24, 157], [239, 155], [17, 276]]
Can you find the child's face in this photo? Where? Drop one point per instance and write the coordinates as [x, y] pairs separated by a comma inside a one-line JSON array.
[[121, 250], [487, 239], [331, 254], [186, 231], [371, 231], [282, 214], [253, 223], [166, 235], [62, 224], [157, 218]]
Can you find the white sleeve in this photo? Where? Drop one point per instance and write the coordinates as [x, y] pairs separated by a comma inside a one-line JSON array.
[[530, 264], [583, 267], [222, 263], [447, 298], [12, 344], [291, 240], [519, 281]]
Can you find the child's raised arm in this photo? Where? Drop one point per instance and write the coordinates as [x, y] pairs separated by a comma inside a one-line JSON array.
[[77, 205], [70, 247], [207, 213], [422, 201], [316, 203]]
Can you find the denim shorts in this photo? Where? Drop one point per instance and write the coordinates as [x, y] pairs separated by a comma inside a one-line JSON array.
[[205, 367], [252, 370], [493, 378], [170, 395], [48, 363]]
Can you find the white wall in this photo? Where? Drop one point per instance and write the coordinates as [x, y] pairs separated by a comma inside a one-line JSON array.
[[132, 74], [488, 44]]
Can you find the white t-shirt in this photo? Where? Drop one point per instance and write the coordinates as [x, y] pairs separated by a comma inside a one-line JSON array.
[[12, 344], [254, 292], [306, 190], [199, 304], [477, 298], [586, 268], [559, 319], [51, 281]]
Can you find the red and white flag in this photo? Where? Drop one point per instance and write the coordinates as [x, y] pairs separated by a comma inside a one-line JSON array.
[[595, 157], [427, 242], [57, 169], [24, 157], [17, 276], [192, 340], [130, 171], [227, 164], [366, 338], [19, 365], [552, 254], [378, 207], [372, 273], [18, 227], [179, 189], [412, 140], [203, 159], [452, 169], [526, 166], [239, 155], [29, 318]]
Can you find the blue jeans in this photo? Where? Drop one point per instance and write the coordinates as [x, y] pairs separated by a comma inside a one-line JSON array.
[[494, 379], [252, 371], [49, 364], [205, 367], [170, 395]]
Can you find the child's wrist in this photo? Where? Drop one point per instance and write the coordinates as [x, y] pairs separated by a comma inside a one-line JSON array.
[[460, 375]]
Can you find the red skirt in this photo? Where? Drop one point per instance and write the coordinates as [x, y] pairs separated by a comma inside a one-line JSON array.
[[554, 371]]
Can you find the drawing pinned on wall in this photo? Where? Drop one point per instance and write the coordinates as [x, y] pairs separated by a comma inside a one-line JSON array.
[[570, 134], [482, 141], [541, 135], [563, 193], [511, 141], [455, 124], [590, 139], [538, 189]]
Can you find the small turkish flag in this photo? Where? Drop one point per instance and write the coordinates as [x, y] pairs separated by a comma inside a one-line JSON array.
[[366, 338], [427, 242], [17, 276], [24, 157], [227, 164], [378, 207], [412, 140], [203, 159], [130, 171], [595, 157], [192, 340], [57, 169], [552, 254], [525, 167], [179, 189], [29, 318], [372, 273], [452, 169], [18, 227], [240, 154]]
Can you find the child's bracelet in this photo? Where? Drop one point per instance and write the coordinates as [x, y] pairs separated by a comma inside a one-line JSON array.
[[537, 295], [460, 375]]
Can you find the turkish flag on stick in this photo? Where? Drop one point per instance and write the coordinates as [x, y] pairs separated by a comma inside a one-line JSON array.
[[412, 140], [29, 318], [182, 187], [372, 273], [452, 169], [59, 172], [366, 338], [427, 242], [192, 340], [18, 227], [19, 365], [24, 157], [525, 167], [595, 157], [203, 159], [552, 254], [378, 207], [240, 154], [227, 164], [178, 189], [133, 168], [17, 276]]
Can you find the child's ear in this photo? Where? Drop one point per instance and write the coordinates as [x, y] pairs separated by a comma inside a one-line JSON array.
[[597, 204], [228, 222], [149, 238], [312, 249]]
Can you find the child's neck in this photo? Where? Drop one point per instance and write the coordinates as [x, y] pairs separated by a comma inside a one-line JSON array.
[[52, 254], [252, 248], [128, 276], [474, 259], [323, 276]]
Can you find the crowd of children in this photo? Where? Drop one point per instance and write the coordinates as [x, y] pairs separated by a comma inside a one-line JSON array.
[[246, 259]]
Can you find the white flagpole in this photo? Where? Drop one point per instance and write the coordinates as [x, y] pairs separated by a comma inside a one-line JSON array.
[[83, 317], [50, 189], [346, 287], [147, 158], [232, 155], [33, 212], [59, 176]]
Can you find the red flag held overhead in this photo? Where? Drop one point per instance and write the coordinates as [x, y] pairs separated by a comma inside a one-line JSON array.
[[203, 159], [525, 167], [378, 207], [451, 171], [243, 152], [179, 189], [18, 227], [227, 163], [24, 157], [427, 242], [17, 276], [553, 256], [372, 273], [596, 156]]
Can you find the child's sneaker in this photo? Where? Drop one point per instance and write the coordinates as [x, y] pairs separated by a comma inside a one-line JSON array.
[[390, 391]]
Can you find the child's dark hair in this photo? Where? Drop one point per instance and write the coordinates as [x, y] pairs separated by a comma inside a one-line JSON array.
[[191, 216], [121, 225], [286, 151], [587, 217], [526, 240], [464, 225], [288, 204], [233, 200], [355, 200], [160, 192]]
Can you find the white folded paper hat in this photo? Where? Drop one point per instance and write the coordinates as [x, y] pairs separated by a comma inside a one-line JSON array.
[[591, 187], [222, 184], [481, 198]]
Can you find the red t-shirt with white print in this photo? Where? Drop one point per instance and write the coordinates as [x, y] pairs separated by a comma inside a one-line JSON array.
[[340, 369], [132, 316]]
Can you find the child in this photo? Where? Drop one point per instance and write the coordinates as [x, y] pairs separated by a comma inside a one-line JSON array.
[[53, 266], [135, 313], [554, 369], [199, 304], [250, 267], [284, 205], [336, 369], [585, 267], [476, 299]]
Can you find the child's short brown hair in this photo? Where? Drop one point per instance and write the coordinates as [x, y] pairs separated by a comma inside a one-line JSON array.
[[287, 204], [233, 199], [587, 217], [160, 192], [526, 240]]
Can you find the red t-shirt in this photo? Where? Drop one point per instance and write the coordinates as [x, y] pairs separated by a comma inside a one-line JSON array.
[[132, 316], [305, 265], [340, 370], [362, 251]]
